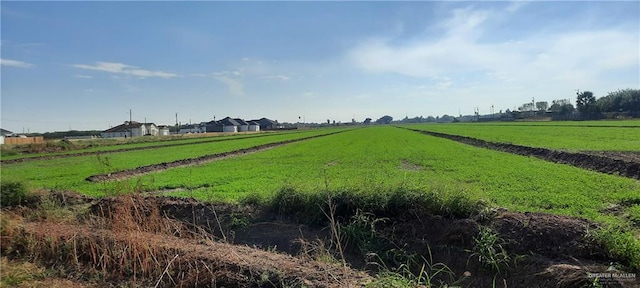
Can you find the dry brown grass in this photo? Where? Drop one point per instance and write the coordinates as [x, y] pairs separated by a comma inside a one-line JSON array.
[[126, 239]]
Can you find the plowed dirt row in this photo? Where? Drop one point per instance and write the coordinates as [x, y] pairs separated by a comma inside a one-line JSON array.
[[124, 174], [604, 164]]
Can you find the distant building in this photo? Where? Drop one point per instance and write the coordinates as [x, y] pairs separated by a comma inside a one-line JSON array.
[[229, 125], [191, 128], [242, 125], [254, 126], [131, 129], [5, 132], [266, 124], [163, 130]]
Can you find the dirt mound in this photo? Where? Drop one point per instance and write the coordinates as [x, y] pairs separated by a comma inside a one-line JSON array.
[[604, 164]]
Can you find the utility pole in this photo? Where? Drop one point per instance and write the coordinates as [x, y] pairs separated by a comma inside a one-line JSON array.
[[492, 111], [130, 130], [177, 123]]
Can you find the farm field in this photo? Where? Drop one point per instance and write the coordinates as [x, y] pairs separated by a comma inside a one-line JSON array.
[[571, 136], [384, 158], [110, 145], [388, 171], [45, 173]]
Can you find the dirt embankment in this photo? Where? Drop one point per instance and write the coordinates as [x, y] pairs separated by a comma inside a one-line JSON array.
[[168, 242], [124, 174], [601, 162], [545, 250]]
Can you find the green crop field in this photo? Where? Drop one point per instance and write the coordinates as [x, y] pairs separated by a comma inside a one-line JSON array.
[[373, 161], [571, 136], [69, 173], [108, 145]]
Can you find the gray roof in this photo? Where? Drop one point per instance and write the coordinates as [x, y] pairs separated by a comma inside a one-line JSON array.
[[4, 132], [229, 122], [240, 121]]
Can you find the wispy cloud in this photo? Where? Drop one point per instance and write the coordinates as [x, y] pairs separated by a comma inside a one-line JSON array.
[[564, 56], [84, 76], [15, 63], [120, 68], [277, 77], [232, 80]]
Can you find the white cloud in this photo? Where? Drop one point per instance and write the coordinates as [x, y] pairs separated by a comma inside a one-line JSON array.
[[120, 68], [15, 63], [277, 77], [84, 76], [234, 85], [578, 57]]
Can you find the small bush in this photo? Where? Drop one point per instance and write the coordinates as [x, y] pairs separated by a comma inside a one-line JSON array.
[[12, 193]]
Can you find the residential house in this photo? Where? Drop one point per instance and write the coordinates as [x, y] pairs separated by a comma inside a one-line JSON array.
[[130, 129], [267, 124], [213, 126], [243, 126], [163, 130], [5, 132], [254, 126], [229, 125], [191, 128]]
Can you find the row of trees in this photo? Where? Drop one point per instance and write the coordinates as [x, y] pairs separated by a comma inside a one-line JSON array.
[[626, 100]]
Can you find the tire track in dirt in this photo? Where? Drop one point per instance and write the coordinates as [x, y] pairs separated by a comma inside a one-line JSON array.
[[26, 159], [629, 169], [128, 173]]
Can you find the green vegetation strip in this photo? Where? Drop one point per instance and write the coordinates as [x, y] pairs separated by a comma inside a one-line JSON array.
[[70, 173], [385, 169], [130, 147], [581, 160], [119, 175], [570, 137]]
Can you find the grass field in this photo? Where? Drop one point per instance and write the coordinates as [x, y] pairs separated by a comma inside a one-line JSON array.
[[69, 173], [572, 136], [376, 162], [384, 158], [110, 145]]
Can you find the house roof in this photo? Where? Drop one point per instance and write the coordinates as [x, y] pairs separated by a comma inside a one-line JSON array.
[[265, 121], [253, 122], [240, 121], [125, 127], [4, 132], [229, 122]]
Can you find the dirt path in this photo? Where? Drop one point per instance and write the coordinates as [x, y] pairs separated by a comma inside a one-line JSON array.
[[124, 174], [601, 163], [49, 157]]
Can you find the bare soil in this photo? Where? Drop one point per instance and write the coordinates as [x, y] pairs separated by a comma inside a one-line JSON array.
[[625, 164]]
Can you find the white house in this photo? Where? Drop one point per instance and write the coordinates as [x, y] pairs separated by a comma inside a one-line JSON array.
[[242, 125], [253, 126], [163, 130], [192, 128], [131, 129]]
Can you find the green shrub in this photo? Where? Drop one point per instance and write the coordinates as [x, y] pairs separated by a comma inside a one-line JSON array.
[[12, 193]]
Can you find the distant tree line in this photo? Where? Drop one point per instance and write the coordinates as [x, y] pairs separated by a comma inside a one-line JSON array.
[[621, 103]]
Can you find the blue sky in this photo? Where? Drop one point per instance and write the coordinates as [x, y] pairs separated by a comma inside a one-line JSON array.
[[83, 65]]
